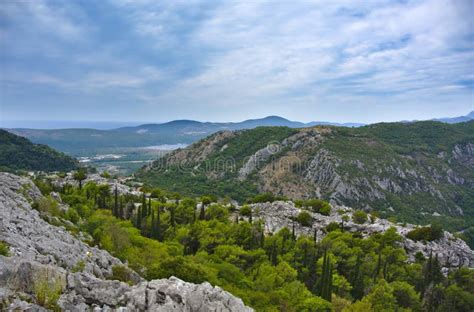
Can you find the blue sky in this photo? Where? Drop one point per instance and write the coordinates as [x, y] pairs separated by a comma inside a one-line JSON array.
[[155, 61]]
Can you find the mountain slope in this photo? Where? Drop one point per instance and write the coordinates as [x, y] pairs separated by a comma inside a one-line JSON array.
[[410, 170], [17, 153], [47, 265]]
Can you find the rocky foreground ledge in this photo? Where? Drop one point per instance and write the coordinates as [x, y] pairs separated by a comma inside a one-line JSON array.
[[41, 253], [452, 252]]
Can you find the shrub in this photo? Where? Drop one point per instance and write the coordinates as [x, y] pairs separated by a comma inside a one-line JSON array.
[[304, 218], [79, 267], [263, 198], [47, 205], [246, 211], [4, 249], [318, 205], [333, 226], [121, 273], [47, 291], [359, 217], [426, 233]]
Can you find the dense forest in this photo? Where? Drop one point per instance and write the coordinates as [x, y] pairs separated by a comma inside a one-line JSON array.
[[18, 153], [163, 234]]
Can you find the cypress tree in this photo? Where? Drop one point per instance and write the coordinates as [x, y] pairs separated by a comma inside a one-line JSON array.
[[357, 281], [121, 215], [115, 211], [274, 254], [172, 221], [326, 278], [139, 218], [158, 225], [202, 213], [153, 225], [149, 206], [250, 216], [293, 235], [144, 210]]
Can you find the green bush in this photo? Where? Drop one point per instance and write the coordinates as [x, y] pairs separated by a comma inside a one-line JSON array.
[[263, 198], [121, 273], [47, 205], [333, 226], [245, 211], [318, 205], [426, 233], [4, 249], [47, 291], [304, 218], [359, 217], [79, 267]]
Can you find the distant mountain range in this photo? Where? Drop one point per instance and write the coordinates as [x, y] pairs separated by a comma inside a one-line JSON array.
[[86, 141], [453, 120]]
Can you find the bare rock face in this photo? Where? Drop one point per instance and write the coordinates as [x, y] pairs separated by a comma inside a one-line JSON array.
[[464, 154], [451, 251], [43, 252]]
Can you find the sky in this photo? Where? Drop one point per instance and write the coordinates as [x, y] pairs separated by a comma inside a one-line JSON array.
[[154, 61]]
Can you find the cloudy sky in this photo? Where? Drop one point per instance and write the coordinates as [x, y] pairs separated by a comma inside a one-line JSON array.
[[231, 60]]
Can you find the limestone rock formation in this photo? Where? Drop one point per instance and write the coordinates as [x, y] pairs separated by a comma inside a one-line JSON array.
[[451, 251], [45, 255]]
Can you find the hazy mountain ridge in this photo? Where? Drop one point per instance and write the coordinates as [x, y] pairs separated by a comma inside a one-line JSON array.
[[413, 170], [83, 141]]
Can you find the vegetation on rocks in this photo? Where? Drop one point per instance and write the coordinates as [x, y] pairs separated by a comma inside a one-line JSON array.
[[4, 249], [281, 271], [426, 233]]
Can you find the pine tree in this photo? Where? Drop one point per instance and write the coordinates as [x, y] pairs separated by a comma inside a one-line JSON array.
[[149, 206]]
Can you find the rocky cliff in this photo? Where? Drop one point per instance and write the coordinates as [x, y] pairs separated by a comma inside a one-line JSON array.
[[45, 258]]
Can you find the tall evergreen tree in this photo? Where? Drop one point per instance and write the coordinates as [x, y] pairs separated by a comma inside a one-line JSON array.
[[139, 218], [202, 213], [121, 214], [144, 208], [149, 206], [172, 217], [115, 211]]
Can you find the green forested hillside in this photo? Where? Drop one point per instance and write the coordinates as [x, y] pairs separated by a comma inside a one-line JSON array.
[[18, 153], [417, 172]]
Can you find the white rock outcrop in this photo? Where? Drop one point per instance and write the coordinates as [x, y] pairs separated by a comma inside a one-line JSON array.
[[39, 250], [451, 251]]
